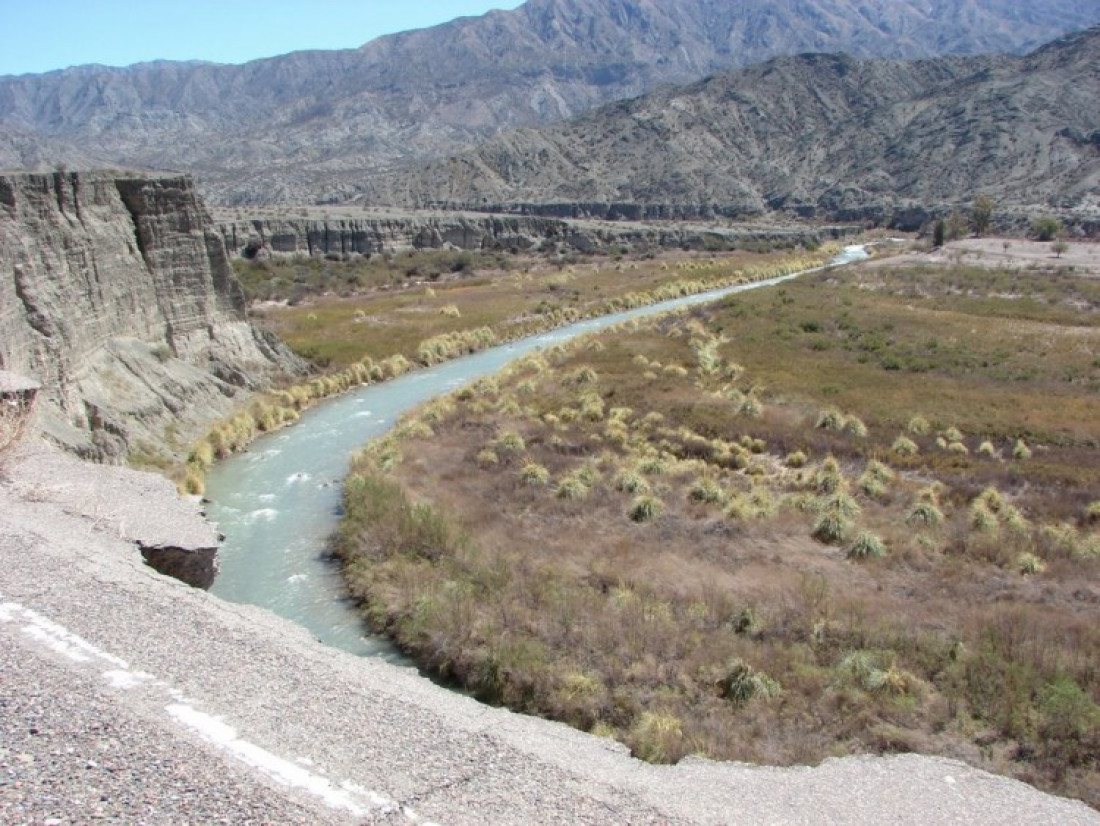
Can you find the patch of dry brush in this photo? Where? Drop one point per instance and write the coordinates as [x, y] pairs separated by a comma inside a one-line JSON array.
[[698, 535]]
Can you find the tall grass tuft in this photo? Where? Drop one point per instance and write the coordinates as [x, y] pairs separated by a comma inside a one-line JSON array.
[[645, 508], [867, 545]]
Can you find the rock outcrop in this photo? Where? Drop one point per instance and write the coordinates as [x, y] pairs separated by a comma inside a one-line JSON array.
[[379, 233], [117, 295]]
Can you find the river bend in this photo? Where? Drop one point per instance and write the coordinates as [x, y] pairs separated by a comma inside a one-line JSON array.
[[278, 503]]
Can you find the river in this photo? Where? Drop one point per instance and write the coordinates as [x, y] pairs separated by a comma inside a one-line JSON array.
[[278, 503]]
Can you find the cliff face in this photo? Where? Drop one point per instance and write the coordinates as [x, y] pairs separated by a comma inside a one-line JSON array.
[[116, 294], [470, 231]]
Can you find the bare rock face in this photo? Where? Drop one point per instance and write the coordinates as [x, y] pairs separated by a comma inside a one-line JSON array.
[[117, 295], [379, 233]]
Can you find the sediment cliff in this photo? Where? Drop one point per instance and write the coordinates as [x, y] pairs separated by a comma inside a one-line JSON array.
[[379, 232], [117, 295]]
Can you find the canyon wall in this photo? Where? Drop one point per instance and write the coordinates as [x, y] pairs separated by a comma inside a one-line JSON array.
[[379, 233], [117, 295]]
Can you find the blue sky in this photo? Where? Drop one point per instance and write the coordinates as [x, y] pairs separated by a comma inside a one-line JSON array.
[[42, 35]]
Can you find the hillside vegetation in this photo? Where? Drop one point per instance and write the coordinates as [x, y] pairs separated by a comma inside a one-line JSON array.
[[858, 512]]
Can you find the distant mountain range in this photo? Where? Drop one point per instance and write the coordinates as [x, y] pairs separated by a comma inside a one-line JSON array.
[[815, 135], [319, 126]]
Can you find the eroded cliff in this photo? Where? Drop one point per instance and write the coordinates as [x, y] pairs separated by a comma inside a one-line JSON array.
[[116, 294], [378, 231]]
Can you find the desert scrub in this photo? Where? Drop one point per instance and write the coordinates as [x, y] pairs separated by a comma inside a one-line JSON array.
[[572, 488], [706, 490], [645, 508], [572, 611], [867, 545], [534, 474], [509, 442], [904, 446], [629, 481], [796, 459], [924, 514], [1020, 451], [741, 684]]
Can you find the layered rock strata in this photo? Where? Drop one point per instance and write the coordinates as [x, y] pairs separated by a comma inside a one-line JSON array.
[[380, 233], [117, 295]]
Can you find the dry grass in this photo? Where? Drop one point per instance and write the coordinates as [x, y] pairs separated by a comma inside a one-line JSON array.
[[532, 295], [710, 620]]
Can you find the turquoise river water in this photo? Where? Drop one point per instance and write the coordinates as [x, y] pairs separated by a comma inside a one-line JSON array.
[[278, 503]]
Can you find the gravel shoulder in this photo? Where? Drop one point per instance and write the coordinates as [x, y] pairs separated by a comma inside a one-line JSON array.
[[125, 694]]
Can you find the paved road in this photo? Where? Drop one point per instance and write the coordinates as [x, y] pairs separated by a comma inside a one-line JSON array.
[[127, 696]]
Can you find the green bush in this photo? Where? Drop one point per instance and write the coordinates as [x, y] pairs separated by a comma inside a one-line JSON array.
[[867, 546], [645, 508]]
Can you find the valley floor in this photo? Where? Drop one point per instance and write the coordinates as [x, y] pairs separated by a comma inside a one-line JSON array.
[[128, 695]]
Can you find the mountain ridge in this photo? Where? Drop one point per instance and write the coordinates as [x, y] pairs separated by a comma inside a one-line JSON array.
[[309, 126], [816, 135]]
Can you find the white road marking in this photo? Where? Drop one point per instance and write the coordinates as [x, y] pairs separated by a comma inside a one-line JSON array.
[[342, 795]]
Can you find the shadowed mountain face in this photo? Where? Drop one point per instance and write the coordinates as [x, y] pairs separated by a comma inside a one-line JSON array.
[[313, 125], [816, 134]]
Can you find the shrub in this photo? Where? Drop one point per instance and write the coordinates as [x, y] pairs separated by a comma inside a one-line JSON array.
[[657, 738], [510, 442], [1021, 452], [581, 377], [878, 470], [572, 488], [904, 446], [450, 311], [829, 419], [919, 426], [534, 474], [742, 683], [958, 448], [645, 508], [653, 466], [487, 457], [1045, 228], [1029, 563], [1092, 513], [629, 481], [867, 546], [705, 490], [831, 528], [751, 407], [828, 478], [924, 514], [952, 434], [992, 499], [202, 455], [840, 503], [854, 426], [193, 482], [986, 449], [797, 459], [982, 519]]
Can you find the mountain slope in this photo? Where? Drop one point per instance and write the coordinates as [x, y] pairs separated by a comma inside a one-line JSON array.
[[820, 134], [307, 125]]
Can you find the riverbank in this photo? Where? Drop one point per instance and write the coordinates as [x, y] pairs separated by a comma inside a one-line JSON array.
[[130, 695]]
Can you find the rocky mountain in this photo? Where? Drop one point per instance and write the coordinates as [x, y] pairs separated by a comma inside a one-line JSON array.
[[816, 135], [116, 294], [312, 126]]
